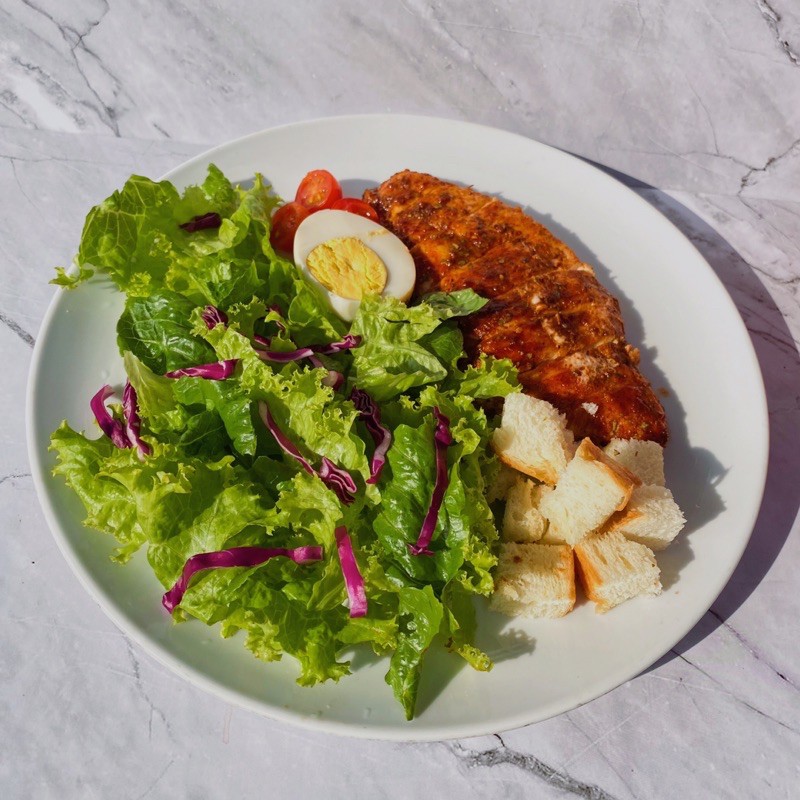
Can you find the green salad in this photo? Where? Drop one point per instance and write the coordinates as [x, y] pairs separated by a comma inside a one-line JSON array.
[[311, 486]]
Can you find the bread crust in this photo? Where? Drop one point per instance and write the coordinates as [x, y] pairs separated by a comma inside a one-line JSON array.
[[549, 476], [562, 571], [621, 476], [590, 576], [590, 580]]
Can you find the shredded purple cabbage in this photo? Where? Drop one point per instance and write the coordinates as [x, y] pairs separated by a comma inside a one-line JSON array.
[[111, 427], [235, 557], [353, 580], [348, 343], [132, 422], [202, 222], [334, 379], [213, 316], [442, 440], [286, 444], [381, 435], [279, 312], [218, 371], [335, 478]]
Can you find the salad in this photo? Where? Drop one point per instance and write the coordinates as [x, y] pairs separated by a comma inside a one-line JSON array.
[[311, 484]]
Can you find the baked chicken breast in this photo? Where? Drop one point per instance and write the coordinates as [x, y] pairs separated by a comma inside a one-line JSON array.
[[547, 312]]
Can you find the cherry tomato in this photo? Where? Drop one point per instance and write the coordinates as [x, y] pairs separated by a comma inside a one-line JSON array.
[[285, 222], [318, 190], [356, 206]]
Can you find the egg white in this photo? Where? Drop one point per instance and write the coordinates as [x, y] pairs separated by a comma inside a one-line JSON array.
[[401, 274]]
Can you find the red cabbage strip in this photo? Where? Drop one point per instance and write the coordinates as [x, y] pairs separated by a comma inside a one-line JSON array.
[[132, 422], [277, 310], [110, 426], [335, 478], [381, 435], [442, 440], [202, 222], [213, 316], [218, 371], [348, 343], [235, 557], [333, 379], [282, 439], [353, 580], [339, 480], [264, 343]]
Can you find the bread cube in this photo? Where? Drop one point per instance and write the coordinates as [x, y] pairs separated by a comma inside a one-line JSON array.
[[652, 517], [589, 491], [613, 569], [534, 580], [644, 459], [523, 522], [503, 480], [533, 438]]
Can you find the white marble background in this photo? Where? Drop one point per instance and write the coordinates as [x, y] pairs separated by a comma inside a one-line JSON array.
[[700, 99]]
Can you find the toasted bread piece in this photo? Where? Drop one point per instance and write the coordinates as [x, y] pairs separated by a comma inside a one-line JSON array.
[[534, 580], [503, 480], [523, 522], [652, 517], [643, 458], [589, 491], [613, 569], [533, 438]]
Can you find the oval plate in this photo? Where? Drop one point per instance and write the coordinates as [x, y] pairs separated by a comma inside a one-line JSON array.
[[695, 350]]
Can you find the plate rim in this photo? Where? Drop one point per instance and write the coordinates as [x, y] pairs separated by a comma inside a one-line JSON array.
[[382, 731]]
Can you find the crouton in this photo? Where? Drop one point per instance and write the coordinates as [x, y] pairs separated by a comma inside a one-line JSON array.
[[613, 569], [644, 459], [589, 491], [533, 438], [534, 580], [652, 517], [523, 522]]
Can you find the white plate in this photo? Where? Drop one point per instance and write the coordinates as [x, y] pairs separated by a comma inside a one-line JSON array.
[[694, 348]]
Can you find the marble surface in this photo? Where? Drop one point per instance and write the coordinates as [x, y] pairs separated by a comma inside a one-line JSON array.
[[694, 104]]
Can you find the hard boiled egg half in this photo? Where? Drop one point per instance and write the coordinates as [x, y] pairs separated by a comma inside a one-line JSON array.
[[351, 256]]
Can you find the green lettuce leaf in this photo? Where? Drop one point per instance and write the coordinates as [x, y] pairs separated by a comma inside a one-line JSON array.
[[397, 352], [419, 617], [158, 331], [107, 503], [128, 236]]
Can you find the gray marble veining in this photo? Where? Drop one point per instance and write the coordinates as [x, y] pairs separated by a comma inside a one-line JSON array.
[[696, 104]]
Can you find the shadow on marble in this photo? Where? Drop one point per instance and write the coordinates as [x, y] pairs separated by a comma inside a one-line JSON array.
[[779, 361]]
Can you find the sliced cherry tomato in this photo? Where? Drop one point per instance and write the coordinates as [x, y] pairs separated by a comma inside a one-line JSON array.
[[285, 222], [356, 206], [318, 190]]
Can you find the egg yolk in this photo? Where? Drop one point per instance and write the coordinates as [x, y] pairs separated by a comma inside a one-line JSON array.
[[347, 267]]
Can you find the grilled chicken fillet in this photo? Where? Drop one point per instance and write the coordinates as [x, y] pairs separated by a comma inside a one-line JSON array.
[[546, 311]]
